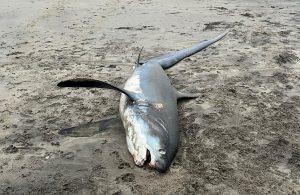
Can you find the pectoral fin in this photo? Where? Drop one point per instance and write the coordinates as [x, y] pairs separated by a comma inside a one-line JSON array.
[[91, 83], [92, 128]]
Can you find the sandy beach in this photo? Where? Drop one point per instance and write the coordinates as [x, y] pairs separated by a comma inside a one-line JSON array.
[[241, 136]]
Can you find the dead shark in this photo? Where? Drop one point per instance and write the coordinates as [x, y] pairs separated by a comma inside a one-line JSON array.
[[148, 108]]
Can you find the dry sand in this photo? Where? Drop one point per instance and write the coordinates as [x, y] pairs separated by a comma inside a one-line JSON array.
[[241, 136]]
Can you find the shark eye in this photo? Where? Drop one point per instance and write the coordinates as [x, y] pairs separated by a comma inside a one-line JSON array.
[[162, 151]]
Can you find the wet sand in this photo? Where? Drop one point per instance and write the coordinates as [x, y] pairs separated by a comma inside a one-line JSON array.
[[241, 136]]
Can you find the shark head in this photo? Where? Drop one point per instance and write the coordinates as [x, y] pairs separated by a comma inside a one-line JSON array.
[[148, 137]]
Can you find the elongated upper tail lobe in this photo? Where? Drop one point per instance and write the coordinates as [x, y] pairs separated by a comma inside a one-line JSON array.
[[169, 60]]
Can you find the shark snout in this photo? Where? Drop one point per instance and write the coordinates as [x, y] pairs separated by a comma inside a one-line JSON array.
[[161, 166]]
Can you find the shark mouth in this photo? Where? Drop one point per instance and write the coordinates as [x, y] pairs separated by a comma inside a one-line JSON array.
[[148, 158]]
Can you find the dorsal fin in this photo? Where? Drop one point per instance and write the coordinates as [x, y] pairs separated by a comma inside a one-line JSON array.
[[91, 83], [169, 60], [138, 60]]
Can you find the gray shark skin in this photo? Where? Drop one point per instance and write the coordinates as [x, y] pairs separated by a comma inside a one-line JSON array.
[[151, 122], [148, 107]]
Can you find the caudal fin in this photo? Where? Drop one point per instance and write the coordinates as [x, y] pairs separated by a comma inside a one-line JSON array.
[[169, 60]]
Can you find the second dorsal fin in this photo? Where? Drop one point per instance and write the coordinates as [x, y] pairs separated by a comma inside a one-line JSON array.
[[185, 96]]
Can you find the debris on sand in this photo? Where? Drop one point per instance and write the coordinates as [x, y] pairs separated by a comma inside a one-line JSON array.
[[285, 58], [211, 25], [247, 15], [14, 53], [127, 177], [10, 149], [147, 27]]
